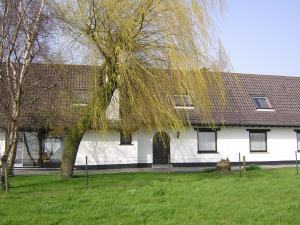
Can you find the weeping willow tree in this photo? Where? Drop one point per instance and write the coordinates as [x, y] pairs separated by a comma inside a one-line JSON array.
[[148, 51]]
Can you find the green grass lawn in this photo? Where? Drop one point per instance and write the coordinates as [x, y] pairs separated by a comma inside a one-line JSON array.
[[263, 197]]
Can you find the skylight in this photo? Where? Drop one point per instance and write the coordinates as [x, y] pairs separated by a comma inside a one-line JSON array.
[[261, 102], [182, 101]]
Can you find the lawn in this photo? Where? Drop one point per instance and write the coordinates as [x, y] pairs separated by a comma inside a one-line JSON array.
[[262, 197]]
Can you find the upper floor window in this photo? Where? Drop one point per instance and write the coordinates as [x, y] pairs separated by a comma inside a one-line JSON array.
[[182, 101], [261, 102], [81, 97]]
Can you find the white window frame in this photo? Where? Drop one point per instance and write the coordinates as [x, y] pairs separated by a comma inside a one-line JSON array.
[[205, 130]]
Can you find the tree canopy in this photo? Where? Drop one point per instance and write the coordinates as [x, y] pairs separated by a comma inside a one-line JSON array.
[[149, 50]]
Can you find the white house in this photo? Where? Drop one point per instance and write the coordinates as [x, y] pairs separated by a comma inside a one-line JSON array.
[[260, 121]]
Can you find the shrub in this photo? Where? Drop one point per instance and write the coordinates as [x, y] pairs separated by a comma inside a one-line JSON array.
[[253, 167], [209, 170], [223, 165]]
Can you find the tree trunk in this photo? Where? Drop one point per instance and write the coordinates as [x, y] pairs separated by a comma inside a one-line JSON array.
[[72, 142], [41, 136], [11, 150], [27, 149], [2, 175], [11, 159], [75, 135]]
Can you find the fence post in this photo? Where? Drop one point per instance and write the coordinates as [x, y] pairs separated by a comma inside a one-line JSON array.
[[6, 179], [240, 168], [86, 171], [296, 162], [244, 165], [169, 170]]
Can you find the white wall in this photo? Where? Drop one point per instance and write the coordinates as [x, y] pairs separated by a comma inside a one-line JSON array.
[[145, 142], [106, 149], [2, 141], [185, 149], [281, 145]]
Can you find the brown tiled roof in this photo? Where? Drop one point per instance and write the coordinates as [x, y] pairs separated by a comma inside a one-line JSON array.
[[283, 93], [54, 94]]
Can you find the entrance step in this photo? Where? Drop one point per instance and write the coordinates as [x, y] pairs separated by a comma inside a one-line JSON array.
[[162, 166]]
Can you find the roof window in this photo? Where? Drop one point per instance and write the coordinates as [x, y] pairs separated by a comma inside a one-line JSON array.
[[261, 102], [182, 101]]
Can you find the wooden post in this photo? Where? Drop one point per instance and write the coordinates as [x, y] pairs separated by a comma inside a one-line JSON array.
[[244, 165], [240, 168], [296, 162], [169, 170], [86, 171], [6, 179]]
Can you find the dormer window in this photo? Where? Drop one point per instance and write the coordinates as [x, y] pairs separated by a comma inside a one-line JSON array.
[[261, 102], [182, 101]]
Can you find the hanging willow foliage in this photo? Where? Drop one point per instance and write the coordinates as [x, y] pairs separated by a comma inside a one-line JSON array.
[[148, 50]]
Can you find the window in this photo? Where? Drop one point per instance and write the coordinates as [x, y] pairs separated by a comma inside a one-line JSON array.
[[126, 138], [207, 141], [261, 102], [182, 101], [258, 140], [298, 140], [81, 97]]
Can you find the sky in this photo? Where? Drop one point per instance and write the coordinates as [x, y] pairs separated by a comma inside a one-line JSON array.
[[262, 36]]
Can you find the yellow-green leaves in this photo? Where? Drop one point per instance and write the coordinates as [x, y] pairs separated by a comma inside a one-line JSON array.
[[151, 50]]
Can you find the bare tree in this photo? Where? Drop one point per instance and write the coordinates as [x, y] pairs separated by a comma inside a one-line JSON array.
[[23, 34]]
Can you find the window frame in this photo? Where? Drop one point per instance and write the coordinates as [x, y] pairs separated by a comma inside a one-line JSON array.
[[265, 131], [264, 97], [298, 138], [189, 106], [203, 130], [122, 142]]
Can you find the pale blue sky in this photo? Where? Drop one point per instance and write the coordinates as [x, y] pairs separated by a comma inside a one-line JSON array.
[[262, 36]]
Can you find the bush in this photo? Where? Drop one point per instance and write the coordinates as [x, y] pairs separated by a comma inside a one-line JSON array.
[[223, 165], [209, 170], [253, 167]]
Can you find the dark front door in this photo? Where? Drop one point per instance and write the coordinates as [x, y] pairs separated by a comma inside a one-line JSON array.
[[161, 148]]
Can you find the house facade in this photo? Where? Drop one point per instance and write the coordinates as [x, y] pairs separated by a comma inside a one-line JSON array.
[[184, 148], [260, 121]]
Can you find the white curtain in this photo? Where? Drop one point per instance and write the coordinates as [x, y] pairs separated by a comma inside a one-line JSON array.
[[206, 141], [258, 141]]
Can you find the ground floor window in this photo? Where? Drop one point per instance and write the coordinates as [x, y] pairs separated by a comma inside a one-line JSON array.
[[31, 153], [298, 140], [258, 140], [125, 138], [207, 140]]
